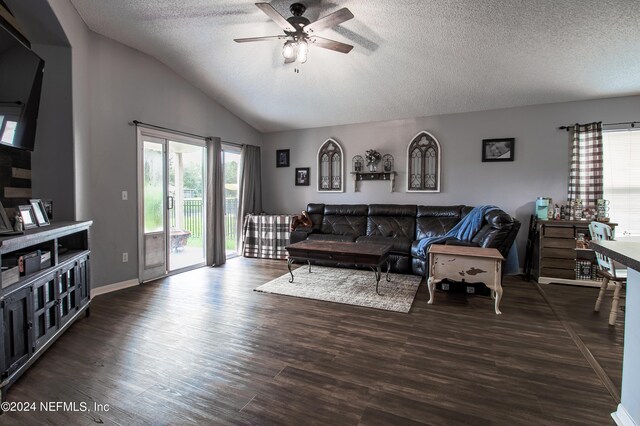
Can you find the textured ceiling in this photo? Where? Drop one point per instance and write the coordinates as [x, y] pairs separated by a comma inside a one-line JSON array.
[[411, 58]]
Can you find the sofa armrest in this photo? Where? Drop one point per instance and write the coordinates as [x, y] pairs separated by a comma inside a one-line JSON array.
[[300, 234], [307, 229]]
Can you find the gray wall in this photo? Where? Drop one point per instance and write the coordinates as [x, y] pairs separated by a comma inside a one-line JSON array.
[[540, 167], [52, 159], [76, 35], [113, 85], [127, 85]]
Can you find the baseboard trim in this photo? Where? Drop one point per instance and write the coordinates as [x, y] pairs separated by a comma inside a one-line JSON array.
[[622, 418], [113, 287]]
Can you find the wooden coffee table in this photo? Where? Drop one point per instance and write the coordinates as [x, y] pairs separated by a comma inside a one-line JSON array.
[[365, 254]]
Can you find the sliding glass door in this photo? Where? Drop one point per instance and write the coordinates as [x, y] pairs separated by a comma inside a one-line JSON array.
[[231, 157], [152, 246], [186, 205], [172, 203]]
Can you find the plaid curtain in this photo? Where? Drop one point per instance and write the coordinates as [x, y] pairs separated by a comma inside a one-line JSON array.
[[585, 175]]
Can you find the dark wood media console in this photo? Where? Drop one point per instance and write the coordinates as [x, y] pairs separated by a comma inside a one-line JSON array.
[[40, 306]]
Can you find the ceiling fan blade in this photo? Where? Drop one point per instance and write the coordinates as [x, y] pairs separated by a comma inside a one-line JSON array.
[[325, 43], [275, 17], [329, 21], [290, 60], [267, 38]]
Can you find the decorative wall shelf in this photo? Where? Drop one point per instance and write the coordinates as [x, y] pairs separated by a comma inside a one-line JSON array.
[[360, 176]]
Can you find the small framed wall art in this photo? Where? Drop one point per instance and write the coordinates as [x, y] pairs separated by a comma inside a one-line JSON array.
[[498, 149], [302, 176], [282, 158]]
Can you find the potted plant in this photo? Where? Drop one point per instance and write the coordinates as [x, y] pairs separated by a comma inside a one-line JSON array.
[[373, 157]]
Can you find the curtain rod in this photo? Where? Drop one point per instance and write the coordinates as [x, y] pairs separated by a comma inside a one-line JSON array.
[[633, 124], [136, 122]]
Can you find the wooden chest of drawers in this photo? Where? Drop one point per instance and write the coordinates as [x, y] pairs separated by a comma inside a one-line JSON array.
[[555, 253]]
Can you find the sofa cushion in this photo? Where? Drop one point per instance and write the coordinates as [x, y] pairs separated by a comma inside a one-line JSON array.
[[345, 219], [434, 226], [346, 209], [315, 208], [440, 211], [433, 221], [391, 226], [316, 211], [392, 210], [332, 237], [399, 244], [388, 220]]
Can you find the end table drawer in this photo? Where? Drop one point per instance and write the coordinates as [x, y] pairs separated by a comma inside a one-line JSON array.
[[558, 273], [559, 253], [569, 264], [559, 232], [569, 243]]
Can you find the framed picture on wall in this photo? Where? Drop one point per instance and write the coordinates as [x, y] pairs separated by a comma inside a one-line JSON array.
[[498, 149], [282, 158], [302, 176]]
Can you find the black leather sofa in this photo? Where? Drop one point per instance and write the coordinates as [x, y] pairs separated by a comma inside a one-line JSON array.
[[402, 226]]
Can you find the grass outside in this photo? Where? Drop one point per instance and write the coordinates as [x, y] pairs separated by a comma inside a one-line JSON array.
[[230, 242]]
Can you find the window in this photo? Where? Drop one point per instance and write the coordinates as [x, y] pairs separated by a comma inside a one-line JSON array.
[[330, 167], [621, 179], [423, 164]]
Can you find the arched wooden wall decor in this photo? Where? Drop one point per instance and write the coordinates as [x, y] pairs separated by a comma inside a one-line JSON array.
[[423, 163], [330, 167]]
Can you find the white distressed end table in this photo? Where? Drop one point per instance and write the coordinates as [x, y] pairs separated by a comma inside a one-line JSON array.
[[462, 263]]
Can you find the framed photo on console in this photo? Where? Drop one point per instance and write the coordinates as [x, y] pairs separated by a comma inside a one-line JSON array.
[[39, 212], [498, 149], [28, 217], [5, 223]]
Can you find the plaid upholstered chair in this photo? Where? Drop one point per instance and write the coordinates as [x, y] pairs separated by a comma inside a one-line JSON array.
[[607, 270]]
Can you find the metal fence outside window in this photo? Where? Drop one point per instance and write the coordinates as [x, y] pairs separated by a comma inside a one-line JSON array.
[[194, 213]]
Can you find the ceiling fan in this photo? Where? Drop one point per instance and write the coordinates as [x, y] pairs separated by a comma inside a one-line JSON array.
[[300, 32]]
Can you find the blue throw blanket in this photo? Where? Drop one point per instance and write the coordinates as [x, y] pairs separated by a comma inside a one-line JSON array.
[[464, 230]]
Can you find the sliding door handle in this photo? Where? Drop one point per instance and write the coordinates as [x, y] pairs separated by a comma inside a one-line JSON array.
[[170, 202]]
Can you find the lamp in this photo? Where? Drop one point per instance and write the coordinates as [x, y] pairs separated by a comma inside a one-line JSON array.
[[289, 50]]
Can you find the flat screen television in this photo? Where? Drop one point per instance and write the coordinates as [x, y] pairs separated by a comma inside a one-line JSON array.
[[21, 72]]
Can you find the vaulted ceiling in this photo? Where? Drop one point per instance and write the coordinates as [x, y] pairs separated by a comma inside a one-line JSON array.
[[411, 58]]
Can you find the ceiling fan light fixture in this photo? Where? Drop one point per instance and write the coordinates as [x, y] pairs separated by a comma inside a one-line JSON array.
[[299, 31], [303, 50], [289, 50]]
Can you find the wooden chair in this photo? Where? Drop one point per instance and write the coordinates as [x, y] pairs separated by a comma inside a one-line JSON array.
[[607, 270]]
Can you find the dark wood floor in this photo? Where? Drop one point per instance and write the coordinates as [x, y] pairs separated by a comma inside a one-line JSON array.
[[605, 342], [203, 348]]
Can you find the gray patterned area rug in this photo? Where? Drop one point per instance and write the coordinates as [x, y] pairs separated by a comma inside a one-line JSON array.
[[348, 286]]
